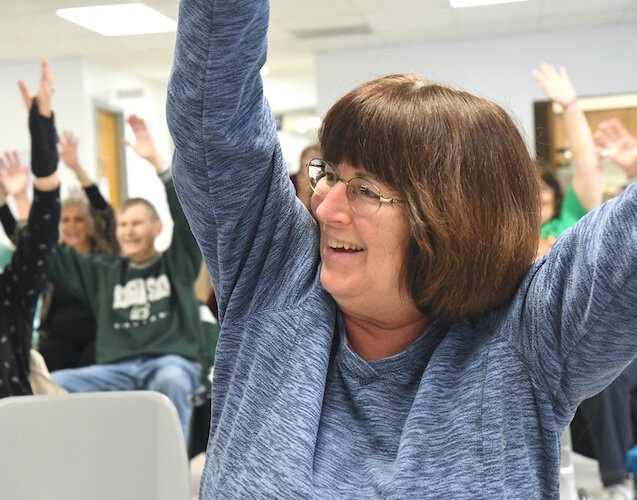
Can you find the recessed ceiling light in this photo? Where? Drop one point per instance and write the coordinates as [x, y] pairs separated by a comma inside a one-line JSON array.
[[119, 20], [457, 4]]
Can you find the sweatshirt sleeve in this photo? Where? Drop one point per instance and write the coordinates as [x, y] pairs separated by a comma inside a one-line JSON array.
[[576, 308], [228, 168], [27, 273], [104, 219], [76, 273], [8, 222], [183, 251], [95, 198]]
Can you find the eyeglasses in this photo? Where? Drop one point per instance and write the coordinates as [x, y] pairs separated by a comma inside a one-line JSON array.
[[363, 196]]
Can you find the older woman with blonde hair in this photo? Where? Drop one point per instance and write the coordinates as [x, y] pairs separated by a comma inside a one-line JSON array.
[[87, 223], [400, 343]]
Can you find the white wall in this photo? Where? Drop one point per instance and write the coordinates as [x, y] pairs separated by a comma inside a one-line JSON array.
[[599, 61], [69, 110], [101, 87], [290, 92], [79, 87], [82, 87]]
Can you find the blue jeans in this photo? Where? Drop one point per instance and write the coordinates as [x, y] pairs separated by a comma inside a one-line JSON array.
[[172, 375]]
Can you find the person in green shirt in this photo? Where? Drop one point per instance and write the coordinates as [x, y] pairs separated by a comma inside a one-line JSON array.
[[64, 326], [602, 425], [148, 329], [561, 211], [26, 273]]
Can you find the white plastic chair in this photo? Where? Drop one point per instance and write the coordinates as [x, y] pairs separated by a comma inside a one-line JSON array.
[[568, 484], [98, 446]]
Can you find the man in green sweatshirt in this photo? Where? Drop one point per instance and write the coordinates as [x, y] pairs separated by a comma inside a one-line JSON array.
[[148, 329]]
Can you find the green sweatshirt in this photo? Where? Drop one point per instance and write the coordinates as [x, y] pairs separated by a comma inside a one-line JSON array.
[[146, 309], [572, 211]]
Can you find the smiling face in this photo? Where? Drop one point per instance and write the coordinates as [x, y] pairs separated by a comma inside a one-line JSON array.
[[362, 256], [471, 191], [136, 231], [76, 227]]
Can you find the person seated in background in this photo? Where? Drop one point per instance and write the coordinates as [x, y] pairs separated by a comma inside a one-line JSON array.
[[26, 274], [301, 180], [67, 325], [602, 425], [602, 428], [561, 210], [148, 329]]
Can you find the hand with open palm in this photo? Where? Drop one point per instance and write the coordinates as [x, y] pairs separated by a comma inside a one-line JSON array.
[[14, 175], [555, 84], [45, 91], [144, 145], [618, 144]]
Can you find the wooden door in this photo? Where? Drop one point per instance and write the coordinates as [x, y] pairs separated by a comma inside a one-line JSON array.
[[111, 165], [550, 135]]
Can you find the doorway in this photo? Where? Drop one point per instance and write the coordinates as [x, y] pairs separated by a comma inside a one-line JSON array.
[[111, 156]]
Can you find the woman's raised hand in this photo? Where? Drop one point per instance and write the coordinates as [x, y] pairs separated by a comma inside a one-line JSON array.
[[555, 84], [619, 145], [45, 91]]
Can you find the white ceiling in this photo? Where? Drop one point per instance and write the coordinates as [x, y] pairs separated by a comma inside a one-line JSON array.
[[29, 29]]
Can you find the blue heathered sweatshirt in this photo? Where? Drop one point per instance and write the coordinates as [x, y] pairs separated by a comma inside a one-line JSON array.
[[470, 410]]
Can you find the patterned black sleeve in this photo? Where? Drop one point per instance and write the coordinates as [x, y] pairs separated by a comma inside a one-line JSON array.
[[20, 284], [44, 139], [28, 269], [104, 218], [8, 223]]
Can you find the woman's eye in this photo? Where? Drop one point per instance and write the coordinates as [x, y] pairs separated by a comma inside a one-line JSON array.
[[367, 192]]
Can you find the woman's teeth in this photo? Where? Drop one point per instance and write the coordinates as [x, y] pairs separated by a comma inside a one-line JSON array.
[[346, 246]]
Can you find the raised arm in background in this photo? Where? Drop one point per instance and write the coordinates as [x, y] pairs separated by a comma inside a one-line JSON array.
[[25, 276], [183, 243], [101, 211], [587, 176], [620, 145], [144, 145], [68, 154], [44, 153], [228, 167], [14, 179]]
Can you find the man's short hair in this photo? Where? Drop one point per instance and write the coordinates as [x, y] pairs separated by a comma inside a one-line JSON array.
[[139, 201]]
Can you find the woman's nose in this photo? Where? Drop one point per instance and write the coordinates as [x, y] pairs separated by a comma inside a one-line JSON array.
[[334, 206]]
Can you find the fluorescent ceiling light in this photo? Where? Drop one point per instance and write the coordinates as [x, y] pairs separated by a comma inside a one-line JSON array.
[[119, 20], [457, 4]]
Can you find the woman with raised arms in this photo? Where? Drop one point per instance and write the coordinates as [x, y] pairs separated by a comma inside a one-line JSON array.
[[398, 342]]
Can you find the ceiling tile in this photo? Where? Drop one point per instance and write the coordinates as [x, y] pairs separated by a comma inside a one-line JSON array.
[[29, 29]]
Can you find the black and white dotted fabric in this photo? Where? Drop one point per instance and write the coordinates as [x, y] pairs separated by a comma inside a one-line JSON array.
[[20, 284]]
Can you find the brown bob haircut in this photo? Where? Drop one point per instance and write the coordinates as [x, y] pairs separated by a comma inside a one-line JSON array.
[[472, 189]]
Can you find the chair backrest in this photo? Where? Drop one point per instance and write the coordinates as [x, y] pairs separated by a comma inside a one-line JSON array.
[[109, 445], [211, 331]]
